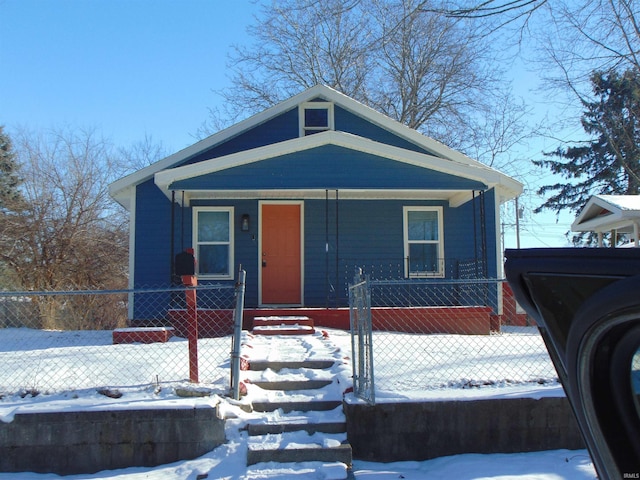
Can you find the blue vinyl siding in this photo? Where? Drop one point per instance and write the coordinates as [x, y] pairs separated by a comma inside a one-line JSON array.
[[285, 127], [328, 166], [346, 121], [153, 221], [278, 129], [152, 267]]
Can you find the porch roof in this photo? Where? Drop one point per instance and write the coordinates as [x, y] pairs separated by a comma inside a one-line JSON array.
[[604, 213], [358, 167]]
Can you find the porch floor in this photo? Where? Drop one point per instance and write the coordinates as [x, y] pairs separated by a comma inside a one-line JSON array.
[[474, 320]]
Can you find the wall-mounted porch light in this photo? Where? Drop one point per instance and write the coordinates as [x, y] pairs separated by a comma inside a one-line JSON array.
[[244, 223]]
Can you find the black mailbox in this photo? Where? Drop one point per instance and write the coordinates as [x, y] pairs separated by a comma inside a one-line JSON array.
[[185, 263]]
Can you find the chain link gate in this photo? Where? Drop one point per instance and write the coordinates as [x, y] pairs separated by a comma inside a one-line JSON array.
[[361, 338]]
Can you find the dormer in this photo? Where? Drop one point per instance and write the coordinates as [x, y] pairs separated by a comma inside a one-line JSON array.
[[315, 117]]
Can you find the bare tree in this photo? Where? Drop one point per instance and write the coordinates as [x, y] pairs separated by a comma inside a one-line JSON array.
[[65, 233], [138, 155], [497, 14], [498, 131], [432, 70], [574, 39], [298, 44]]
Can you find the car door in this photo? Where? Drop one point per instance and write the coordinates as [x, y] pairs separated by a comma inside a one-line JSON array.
[[587, 305]]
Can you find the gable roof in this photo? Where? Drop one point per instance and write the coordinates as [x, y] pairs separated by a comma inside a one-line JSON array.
[[609, 212], [120, 190]]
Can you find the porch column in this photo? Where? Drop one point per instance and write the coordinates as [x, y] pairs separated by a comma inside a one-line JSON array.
[[636, 232]]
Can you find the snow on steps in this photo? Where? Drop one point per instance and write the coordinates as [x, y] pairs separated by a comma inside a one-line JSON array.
[[303, 422], [283, 325], [299, 447], [302, 470]]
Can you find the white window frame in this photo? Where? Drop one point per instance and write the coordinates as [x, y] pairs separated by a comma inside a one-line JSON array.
[[318, 106], [196, 244], [440, 242]]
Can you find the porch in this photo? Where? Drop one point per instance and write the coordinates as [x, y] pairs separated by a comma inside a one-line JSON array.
[[452, 319], [425, 306], [474, 320]]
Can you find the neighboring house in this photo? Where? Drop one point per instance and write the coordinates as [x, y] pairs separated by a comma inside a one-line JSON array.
[[616, 214], [306, 191]]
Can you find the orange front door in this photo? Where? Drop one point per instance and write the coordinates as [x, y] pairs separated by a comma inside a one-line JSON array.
[[281, 254]]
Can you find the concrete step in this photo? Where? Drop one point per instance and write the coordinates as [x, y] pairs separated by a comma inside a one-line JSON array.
[[283, 331], [283, 325], [299, 447], [293, 406], [289, 385], [291, 364], [311, 428], [290, 320], [303, 471]]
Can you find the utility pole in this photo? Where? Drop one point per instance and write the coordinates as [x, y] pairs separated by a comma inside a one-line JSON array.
[[518, 213]]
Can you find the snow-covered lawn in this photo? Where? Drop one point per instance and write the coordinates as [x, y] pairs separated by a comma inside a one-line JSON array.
[[415, 363], [226, 462], [71, 363], [56, 361]]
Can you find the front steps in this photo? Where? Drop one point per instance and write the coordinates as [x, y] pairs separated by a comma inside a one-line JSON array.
[[283, 325], [302, 426]]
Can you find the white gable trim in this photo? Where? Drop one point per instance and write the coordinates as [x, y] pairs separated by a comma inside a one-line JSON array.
[[603, 213]]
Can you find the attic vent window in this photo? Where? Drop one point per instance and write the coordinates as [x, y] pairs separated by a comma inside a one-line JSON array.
[[315, 117]]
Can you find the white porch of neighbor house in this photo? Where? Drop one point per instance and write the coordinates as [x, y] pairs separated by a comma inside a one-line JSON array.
[[611, 213]]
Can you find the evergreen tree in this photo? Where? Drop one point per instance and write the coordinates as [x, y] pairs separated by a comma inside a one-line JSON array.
[[609, 163], [9, 180]]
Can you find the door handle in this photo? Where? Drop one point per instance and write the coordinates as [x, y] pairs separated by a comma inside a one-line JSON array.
[[264, 263]]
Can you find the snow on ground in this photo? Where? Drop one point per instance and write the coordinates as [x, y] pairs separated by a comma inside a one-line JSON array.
[[515, 357], [54, 355]]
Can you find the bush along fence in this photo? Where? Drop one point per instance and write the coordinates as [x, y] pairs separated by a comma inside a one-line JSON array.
[[76, 340], [429, 334]]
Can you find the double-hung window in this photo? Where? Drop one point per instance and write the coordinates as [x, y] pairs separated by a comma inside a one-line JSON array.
[[213, 239], [423, 242], [315, 117]]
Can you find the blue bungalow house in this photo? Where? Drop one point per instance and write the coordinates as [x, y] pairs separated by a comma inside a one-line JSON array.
[[306, 191]]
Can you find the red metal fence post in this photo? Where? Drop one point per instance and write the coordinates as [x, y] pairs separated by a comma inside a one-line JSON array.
[[192, 315]]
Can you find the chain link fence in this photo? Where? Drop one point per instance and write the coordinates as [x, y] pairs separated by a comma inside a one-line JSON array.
[[54, 342], [429, 334]]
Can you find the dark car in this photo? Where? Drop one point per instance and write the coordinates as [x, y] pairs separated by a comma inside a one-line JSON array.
[[586, 302]]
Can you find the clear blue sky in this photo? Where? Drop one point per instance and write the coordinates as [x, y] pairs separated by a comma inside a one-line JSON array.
[[128, 68], [136, 68]]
